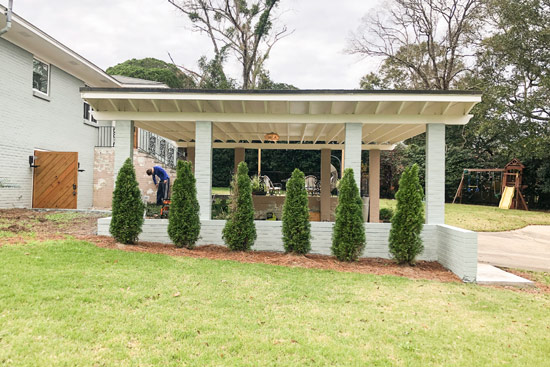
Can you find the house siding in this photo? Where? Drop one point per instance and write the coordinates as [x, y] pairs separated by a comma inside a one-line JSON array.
[[29, 123]]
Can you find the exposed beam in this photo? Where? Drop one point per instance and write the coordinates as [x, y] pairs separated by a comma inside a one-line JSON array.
[[318, 132], [113, 104], [177, 105], [265, 107], [199, 105], [284, 118], [222, 107], [334, 132], [284, 146], [133, 105], [380, 137], [469, 107], [447, 107], [303, 133], [423, 108], [356, 110], [155, 105], [244, 106], [413, 131], [401, 107], [378, 107]]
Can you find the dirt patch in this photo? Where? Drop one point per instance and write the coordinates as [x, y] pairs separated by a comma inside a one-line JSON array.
[[16, 228], [539, 287]]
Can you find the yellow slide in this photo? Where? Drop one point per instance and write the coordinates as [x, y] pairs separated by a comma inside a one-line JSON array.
[[507, 196]]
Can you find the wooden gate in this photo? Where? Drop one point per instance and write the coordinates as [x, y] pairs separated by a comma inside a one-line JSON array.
[[55, 180]]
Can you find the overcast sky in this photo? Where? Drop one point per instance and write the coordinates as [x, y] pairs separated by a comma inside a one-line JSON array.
[[108, 32]]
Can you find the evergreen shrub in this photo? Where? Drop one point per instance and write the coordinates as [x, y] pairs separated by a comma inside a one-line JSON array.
[[296, 226], [128, 208], [408, 220], [386, 214], [348, 233], [239, 232], [184, 224]]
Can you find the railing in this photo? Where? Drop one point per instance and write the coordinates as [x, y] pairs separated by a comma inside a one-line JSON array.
[[105, 136], [157, 147]]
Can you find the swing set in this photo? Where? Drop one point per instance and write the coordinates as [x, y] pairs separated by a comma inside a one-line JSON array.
[[503, 183]]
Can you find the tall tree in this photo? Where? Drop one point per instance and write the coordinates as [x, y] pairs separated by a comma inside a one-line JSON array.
[[424, 43], [243, 28]]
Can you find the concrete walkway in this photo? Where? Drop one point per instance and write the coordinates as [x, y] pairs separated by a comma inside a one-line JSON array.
[[527, 248], [490, 275]]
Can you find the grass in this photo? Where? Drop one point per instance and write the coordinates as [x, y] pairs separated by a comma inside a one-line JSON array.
[[64, 217], [71, 303], [220, 191], [485, 218]]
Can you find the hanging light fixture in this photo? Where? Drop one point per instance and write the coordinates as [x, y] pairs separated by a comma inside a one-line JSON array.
[[271, 136]]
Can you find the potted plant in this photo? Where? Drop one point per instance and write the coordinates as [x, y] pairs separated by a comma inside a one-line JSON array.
[[258, 187]]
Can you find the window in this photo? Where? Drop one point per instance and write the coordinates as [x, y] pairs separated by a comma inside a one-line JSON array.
[[88, 113], [40, 76]]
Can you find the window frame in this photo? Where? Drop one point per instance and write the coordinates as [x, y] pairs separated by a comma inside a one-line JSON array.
[[90, 120], [48, 84]]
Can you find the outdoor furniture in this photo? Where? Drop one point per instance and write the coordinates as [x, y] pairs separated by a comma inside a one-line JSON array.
[[270, 187], [312, 185]]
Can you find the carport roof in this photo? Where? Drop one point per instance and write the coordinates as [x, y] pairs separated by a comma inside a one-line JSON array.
[[304, 119]]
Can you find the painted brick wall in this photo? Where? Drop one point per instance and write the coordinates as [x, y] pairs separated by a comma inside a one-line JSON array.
[[458, 251], [28, 123], [104, 176]]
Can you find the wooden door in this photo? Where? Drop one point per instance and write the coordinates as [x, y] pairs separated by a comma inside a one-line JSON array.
[[55, 180]]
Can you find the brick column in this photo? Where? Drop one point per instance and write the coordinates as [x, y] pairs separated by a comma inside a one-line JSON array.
[[203, 169], [325, 185], [374, 186], [124, 144], [352, 150], [435, 173], [239, 157]]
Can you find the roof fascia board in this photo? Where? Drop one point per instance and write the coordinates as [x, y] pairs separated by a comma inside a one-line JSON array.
[[282, 118]]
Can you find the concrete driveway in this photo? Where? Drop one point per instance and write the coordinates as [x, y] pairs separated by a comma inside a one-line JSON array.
[[527, 248]]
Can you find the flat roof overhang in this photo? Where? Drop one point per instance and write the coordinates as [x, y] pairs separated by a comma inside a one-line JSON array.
[[303, 119]]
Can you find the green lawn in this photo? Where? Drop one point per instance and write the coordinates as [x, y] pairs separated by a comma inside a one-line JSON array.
[[71, 303], [220, 191], [486, 218]]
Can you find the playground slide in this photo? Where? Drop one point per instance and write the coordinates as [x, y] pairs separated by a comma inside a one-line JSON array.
[[507, 196]]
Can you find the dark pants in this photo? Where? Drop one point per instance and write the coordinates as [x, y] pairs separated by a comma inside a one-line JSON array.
[[163, 191]]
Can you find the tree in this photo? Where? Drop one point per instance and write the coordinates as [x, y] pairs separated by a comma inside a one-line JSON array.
[[239, 232], [242, 28], [153, 69], [184, 223], [424, 43], [127, 211], [408, 220], [296, 226], [348, 233]]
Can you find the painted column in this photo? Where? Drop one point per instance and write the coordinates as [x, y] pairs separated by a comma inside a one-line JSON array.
[[325, 185], [435, 173], [124, 143], [374, 186], [352, 150], [191, 156], [203, 169], [239, 157]]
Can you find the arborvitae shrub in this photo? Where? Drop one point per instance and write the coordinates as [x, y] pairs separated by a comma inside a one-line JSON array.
[[296, 227], [348, 233], [239, 232], [184, 224], [128, 208], [408, 220]]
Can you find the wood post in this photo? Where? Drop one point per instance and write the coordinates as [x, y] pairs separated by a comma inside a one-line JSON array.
[[374, 186]]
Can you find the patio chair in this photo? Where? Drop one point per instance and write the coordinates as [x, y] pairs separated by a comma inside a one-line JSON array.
[[312, 185], [272, 188]]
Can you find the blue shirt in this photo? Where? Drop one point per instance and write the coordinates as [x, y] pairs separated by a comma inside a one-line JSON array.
[[161, 173]]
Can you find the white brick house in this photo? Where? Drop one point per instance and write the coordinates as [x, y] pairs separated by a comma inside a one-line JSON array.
[[45, 113]]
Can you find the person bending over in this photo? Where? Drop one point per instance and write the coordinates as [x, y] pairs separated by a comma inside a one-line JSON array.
[[163, 186]]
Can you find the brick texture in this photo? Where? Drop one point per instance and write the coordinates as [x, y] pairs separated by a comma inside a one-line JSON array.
[[28, 123]]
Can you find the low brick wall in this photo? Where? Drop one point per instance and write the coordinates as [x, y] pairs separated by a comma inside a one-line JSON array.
[[454, 248]]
